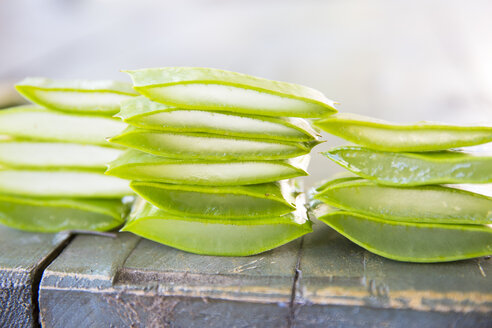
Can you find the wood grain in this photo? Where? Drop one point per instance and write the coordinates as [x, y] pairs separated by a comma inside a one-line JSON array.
[[22, 259]]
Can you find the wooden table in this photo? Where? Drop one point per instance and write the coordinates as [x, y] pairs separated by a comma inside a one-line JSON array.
[[319, 281]]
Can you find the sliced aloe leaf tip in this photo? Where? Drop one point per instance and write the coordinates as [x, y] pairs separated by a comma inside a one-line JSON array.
[[229, 202], [214, 89], [222, 237], [208, 146], [386, 136], [433, 204], [144, 113], [95, 97], [38, 123], [53, 215], [410, 169], [412, 242], [136, 165]]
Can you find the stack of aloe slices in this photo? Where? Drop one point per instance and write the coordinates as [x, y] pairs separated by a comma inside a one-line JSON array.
[[401, 204], [214, 156], [53, 155]]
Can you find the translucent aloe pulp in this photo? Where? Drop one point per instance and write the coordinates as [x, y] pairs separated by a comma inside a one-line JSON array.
[[136, 165], [432, 204], [418, 137], [41, 124], [62, 183], [144, 113], [411, 169], [95, 97], [59, 214], [252, 201], [208, 146], [30, 154], [221, 237], [214, 89], [412, 242]]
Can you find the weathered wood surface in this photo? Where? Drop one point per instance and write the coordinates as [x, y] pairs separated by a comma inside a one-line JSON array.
[[344, 285], [131, 282], [22, 259]]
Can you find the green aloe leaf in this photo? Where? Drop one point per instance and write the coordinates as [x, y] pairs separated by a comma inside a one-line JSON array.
[[413, 169], [412, 242], [386, 136], [27, 154], [53, 215], [222, 237], [208, 146], [95, 97], [261, 200], [136, 165], [214, 89], [325, 184], [433, 204], [144, 113], [33, 122], [62, 183]]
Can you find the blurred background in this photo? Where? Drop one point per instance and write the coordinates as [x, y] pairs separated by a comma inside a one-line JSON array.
[[402, 61]]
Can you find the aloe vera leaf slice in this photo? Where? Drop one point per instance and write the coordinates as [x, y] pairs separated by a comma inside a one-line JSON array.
[[94, 97], [332, 182], [433, 204], [412, 242], [33, 122], [59, 214], [62, 183], [221, 237], [261, 200], [386, 136], [27, 154], [208, 146], [136, 165], [321, 185], [144, 113], [412, 169], [214, 89]]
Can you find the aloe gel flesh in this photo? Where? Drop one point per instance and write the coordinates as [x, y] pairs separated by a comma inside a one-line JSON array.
[[62, 183], [41, 124], [37, 154]]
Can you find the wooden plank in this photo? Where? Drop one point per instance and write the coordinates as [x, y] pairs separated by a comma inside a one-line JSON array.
[[90, 264], [340, 279], [23, 256], [117, 282]]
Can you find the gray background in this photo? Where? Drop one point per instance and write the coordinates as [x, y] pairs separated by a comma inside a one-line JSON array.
[[396, 60]]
